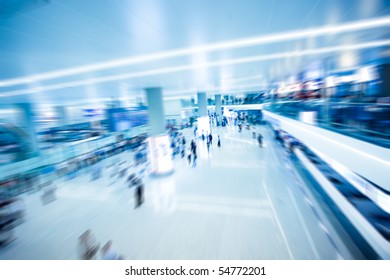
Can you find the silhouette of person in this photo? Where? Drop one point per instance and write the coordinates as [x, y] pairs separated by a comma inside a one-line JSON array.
[[260, 140], [108, 253], [139, 195], [88, 246], [189, 156]]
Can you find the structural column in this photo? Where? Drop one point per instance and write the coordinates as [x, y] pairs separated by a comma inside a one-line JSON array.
[[202, 104], [28, 126], [218, 108], [203, 118], [156, 111], [159, 142]]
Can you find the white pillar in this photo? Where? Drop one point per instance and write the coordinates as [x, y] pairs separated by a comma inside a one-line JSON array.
[[155, 110], [203, 118], [202, 104], [218, 108], [159, 141]]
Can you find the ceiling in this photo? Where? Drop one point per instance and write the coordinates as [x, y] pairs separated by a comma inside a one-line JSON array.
[[67, 51]]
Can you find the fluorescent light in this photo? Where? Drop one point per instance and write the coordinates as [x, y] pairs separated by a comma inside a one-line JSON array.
[[182, 68], [253, 41]]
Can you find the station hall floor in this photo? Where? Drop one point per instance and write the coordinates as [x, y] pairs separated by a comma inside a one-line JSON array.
[[240, 202]]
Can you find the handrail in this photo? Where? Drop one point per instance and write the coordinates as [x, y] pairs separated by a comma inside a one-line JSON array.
[[356, 128], [323, 101], [376, 132]]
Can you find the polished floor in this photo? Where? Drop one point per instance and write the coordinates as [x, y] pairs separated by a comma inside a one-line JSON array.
[[239, 202]]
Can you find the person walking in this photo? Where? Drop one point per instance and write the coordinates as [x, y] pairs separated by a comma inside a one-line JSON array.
[[182, 149], [193, 146], [183, 140], [194, 150], [189, 156], [194, 161], [219, 142], [107, 253], [254, 132], [211, 138], [260, 140], [139, 195], [194, 155], [88, 246]]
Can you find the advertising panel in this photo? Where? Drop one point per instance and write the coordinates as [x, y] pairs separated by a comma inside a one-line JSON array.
[[203, 126], [160, 154], [120, 119]]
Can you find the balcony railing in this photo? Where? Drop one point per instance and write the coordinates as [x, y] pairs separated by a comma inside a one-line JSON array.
[[365, 121]]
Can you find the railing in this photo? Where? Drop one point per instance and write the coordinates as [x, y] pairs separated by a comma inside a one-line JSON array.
[[369, 122]]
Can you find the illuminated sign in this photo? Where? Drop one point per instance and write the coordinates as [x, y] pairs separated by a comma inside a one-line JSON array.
[[160, 154], [121, 119], [203, 126]]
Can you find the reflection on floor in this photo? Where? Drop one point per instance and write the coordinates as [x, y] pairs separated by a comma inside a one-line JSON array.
[[240, 202]]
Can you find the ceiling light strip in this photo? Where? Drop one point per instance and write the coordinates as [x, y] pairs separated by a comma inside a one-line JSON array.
[[182, 68], [284, 36]]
